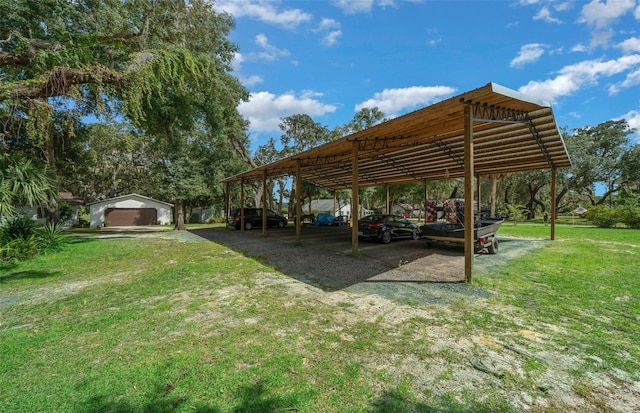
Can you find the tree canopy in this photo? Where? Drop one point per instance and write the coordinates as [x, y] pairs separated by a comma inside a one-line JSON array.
[[163, 67]]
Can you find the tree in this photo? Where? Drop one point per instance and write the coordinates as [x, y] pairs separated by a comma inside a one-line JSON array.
[[299, 133], [163, 64], [22, 183], [597, 154], [265, 154], [105, 160], [363, 119]]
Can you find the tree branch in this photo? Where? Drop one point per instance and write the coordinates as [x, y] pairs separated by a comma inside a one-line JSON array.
[[59, 81], [25, 58]]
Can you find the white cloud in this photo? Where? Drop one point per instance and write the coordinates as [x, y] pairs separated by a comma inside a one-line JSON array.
[[330, 30], [601, 14], [331, 38], [544, 14], [265, 11], [269, 52], [579, 48], [529, 53], [264, 110], [366, 6], [572, 78], [354, 6], [633, 120], [632, 79], [567, 5], [631, 45], [236, 64], [601, 38], [327, 24], [528, 2], [393, 101]]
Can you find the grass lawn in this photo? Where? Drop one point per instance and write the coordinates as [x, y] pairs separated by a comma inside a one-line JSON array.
[[148, 324]]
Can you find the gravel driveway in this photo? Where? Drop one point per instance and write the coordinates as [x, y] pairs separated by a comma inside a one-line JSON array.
[[323, 257]]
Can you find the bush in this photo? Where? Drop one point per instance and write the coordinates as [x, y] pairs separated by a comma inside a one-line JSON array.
[[19, 249], [49, 237], [602, 216], [21, 239], [20, 227], [630, 216]]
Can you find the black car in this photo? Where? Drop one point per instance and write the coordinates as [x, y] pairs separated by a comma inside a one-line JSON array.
[[386, 227], [253, 218]]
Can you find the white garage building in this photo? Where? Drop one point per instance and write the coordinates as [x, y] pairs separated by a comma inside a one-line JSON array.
[[130, 210]]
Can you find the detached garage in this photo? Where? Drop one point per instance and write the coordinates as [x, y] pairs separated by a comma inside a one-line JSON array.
[[130, 210]]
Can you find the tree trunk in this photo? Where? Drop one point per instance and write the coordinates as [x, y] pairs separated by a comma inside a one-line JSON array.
[[179, 215]]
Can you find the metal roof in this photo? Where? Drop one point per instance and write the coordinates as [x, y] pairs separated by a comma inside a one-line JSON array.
[[511, 132]]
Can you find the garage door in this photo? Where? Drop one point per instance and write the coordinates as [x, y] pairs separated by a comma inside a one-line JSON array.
[[131, 216]]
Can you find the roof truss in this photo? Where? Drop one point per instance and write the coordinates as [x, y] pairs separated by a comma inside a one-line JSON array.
[[511, 132]]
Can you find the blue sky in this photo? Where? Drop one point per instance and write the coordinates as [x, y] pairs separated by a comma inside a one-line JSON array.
[[330, 58]]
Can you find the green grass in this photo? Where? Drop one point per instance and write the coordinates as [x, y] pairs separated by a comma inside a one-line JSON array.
[[154, 325]]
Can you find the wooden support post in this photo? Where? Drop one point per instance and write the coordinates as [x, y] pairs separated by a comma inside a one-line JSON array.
[[469, 242], [494, 194], [335, 198], [242, 204], [479, 197], [553, 204], [227, 202], [355, 214], [264, 203], [298, 204], [426, 198], [387, 209]]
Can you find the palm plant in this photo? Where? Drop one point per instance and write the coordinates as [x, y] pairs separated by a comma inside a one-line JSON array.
[[22, 183]]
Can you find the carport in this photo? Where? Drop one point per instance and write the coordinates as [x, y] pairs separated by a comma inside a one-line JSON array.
[[485, 132]]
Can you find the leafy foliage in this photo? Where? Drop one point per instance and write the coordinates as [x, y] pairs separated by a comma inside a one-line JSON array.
[[162, 67], [603, 216], [21, 239], [515, 213], [22, 183]]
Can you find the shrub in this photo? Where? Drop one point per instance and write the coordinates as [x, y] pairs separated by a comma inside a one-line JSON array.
[[515, 213], [49, 237], [19, 249], [21, 240], [630, 216], [602, 216], [66, 211], [20, 227]]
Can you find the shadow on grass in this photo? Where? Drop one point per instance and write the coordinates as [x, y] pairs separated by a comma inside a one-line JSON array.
[[24, 275], [255, 399], [252, 399], [396, 401]]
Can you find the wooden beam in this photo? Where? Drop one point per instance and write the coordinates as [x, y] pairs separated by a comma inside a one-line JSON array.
[[354, 199], [264, 203], [468, 194], [387, 209], [479, 196], [298, 205], [242, 204], [494, 193], [426, 198], [553, 204], [227, 202]]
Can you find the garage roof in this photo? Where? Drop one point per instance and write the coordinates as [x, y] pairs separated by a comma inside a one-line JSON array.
[[511, 132]]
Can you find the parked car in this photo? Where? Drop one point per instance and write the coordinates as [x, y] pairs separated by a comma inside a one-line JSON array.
[[325, 219], [384, 228], [253, 219]]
